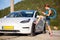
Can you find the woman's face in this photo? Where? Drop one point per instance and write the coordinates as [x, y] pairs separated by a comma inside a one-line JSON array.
[[46, 8]]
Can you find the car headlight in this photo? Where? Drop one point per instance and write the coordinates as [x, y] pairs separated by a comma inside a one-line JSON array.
[[25, 21]]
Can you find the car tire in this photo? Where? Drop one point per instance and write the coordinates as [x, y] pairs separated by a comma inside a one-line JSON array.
[[44, 30], [33, 30], [1, 34]]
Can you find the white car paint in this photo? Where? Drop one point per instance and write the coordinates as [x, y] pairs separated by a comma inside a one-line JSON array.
[[16, 22]]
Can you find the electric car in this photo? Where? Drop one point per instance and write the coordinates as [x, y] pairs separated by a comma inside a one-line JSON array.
[[23, 22]]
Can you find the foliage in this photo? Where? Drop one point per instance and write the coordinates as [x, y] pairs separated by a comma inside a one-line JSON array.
[[33, 5]]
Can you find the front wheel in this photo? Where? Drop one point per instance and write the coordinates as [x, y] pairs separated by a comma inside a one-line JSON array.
[[33, 30], [1, 34]]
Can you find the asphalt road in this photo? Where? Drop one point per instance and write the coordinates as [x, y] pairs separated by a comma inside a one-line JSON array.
[[56, 36]]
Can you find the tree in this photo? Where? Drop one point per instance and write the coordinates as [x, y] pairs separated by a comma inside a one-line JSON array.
[[11, 5]]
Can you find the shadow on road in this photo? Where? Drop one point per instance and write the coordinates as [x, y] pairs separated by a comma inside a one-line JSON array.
[[15, 34]]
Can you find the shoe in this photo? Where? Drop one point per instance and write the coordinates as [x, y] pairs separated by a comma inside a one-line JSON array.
[[50, 34]]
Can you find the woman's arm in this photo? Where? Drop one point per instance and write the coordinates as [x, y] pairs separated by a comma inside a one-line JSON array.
[[49, 13]]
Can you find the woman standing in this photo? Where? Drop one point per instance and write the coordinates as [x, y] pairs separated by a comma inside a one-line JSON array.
[[47, 13]]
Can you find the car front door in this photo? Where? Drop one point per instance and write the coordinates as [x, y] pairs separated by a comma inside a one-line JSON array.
[[40, 25]]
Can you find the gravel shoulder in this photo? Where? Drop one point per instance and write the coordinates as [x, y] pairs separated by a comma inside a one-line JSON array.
[[56, 36]]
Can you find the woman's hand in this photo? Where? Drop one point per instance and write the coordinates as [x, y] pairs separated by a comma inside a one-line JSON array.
[[43, 12]]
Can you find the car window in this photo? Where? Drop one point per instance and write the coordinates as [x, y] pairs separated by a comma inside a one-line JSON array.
[[37, 13], [21, 14], [14, 14]]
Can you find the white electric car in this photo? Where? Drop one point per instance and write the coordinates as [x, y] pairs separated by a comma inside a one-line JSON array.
[[22, 22]]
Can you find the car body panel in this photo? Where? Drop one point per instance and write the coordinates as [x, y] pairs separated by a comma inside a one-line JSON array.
[[24, 28]]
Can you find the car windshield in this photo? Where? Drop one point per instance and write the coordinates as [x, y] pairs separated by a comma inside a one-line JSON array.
[[21, 14]]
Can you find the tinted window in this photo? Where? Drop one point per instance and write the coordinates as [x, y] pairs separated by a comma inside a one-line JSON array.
[[21, 14], [37, 13]]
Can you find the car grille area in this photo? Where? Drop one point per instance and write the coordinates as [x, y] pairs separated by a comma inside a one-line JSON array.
[[9, 31]]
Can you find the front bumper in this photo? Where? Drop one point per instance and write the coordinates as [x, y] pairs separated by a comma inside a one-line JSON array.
[[22, 28], [25, 31], [9, 31]]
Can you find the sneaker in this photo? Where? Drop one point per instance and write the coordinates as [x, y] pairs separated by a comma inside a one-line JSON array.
[[50, 34]]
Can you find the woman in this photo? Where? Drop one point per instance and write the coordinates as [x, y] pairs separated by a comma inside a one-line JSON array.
[[47, 14]]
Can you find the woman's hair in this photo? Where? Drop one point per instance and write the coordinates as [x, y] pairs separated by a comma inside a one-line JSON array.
[[47, 5]]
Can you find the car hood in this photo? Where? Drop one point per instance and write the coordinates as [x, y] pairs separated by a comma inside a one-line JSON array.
[[13, 20]]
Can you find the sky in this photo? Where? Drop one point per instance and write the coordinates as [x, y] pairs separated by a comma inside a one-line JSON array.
[[6, 3]]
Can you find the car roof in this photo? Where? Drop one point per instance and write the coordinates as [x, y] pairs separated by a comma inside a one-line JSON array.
[[25, 11]]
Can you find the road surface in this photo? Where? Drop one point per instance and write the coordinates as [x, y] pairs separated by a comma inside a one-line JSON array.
[[56, 36]]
